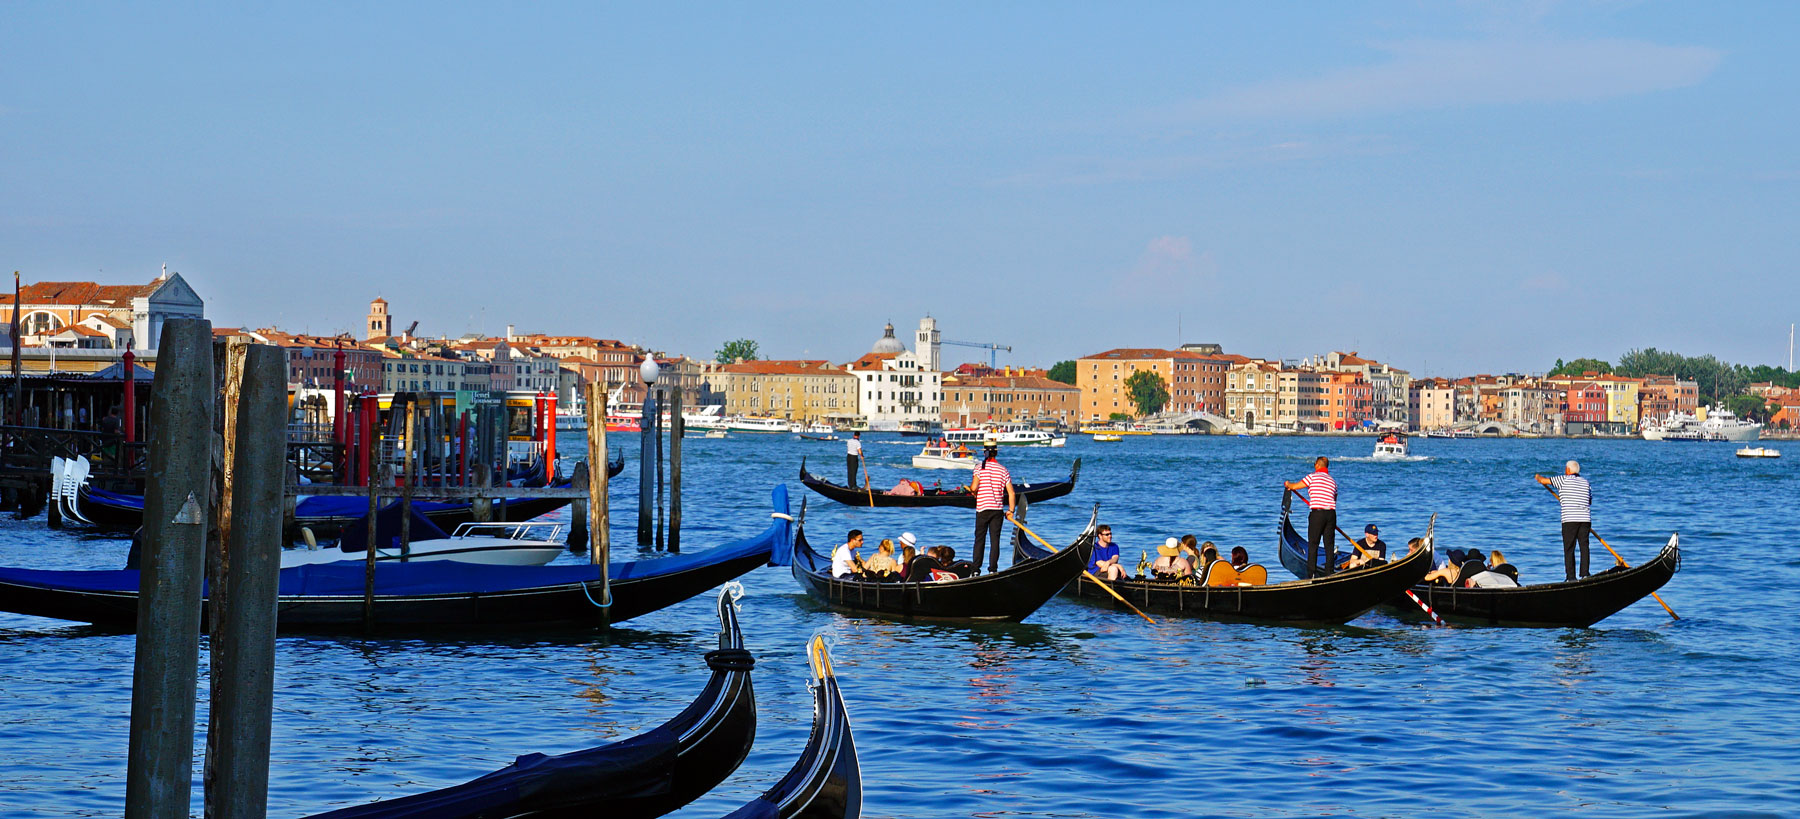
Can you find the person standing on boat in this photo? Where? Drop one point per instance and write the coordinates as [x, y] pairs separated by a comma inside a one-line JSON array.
[[1321, 522], [1577, 514], [853, 459], [994, 502]]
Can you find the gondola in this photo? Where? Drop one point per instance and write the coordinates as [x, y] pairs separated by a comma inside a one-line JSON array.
[[432, 594], [852, 496], [1335, 599], [1012, 593], [325, 516], [827, 781], [646, 775], [1566, 604]]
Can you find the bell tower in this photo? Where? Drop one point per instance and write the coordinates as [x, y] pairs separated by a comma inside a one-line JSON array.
[[927, 348], [380, 324]]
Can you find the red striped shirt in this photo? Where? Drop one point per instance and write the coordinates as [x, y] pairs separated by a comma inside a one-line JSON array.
[[1321, 491], [994, 478]]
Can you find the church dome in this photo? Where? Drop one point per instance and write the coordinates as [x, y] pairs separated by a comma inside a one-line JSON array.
[[889, 344]]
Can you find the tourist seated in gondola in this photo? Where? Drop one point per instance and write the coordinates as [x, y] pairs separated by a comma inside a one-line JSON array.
[[1240, 559], [1169, 564], [1371, 543], [1497, 574], [844, 561], [1105, 560], [925, 568], [881, 566], [949, 568], [1447, 572]]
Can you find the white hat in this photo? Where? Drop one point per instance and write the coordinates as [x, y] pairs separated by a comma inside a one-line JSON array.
[[907, 539]]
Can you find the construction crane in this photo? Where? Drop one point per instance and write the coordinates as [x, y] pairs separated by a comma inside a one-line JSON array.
[[993, 349]]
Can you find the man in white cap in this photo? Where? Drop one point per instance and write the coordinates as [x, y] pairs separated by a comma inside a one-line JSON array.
[[994, 501], [1577, 514]]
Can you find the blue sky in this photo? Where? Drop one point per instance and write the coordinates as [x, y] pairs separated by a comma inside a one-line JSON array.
[[1449, 187]]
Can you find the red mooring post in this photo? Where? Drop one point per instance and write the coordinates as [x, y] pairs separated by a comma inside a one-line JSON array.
[[340, 422], [550, 476], [462, 449], [129, 407]]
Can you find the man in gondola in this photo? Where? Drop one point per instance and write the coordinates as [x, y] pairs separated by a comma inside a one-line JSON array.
[[994, 502], [1577, 499], [844, 561], [1321, 521], [852, 459]]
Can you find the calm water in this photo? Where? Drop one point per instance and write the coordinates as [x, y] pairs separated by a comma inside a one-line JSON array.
[[1079, 712]]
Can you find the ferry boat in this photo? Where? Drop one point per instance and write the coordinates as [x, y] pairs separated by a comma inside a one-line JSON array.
[[914, 429], [1006, 434], [1117, 429], [751, 423], [944, 456]]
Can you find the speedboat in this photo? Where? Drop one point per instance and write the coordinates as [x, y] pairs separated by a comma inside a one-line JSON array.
[[1390, 447], [489, 544], [1758, 452], [943, 456]]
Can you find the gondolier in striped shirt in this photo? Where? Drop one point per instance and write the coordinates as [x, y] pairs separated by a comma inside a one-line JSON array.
[[1577, 514], [852, 459], [1321, 522], [994, 500]]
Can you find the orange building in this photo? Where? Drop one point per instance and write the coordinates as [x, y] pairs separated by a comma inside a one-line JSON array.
[[1195, 382]]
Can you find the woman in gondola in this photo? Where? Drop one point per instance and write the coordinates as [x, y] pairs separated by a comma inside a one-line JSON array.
[[1170, 565], [881, 566]]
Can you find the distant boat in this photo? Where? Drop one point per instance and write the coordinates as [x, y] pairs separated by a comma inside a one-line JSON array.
[[1390, 447], [1758, 452], [934, 456], [1110, 437]]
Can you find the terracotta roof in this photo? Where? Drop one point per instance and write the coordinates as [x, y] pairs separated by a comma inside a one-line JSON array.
[[108, 320], [1142, 354], [807, 367], [871, 361], [1016, 382], [111, 295]]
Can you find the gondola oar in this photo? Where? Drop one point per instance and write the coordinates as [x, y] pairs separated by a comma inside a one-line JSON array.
[[1372, 556], [1615, 554], [1090, 575], [867, 487]]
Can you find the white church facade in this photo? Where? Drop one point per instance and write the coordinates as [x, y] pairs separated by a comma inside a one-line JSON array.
[[899, 386]]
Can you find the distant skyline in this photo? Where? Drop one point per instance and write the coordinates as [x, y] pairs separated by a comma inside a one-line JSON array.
[[1451, 188]]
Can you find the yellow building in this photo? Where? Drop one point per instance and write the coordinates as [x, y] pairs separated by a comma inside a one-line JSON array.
[[1621, 394], [804, 391]]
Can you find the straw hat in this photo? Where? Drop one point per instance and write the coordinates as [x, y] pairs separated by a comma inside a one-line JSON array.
[[1168, 548]]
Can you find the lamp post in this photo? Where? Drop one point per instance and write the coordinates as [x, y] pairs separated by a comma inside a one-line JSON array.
[[647, 460]]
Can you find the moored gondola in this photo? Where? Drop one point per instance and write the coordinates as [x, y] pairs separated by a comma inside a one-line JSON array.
[[1012, 593], [826, 783], [433, 594], [853, 496], [646, 775], [1578, 603], [325, 516], [1335, 599]]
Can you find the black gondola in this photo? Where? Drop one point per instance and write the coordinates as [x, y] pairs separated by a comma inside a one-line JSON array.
[[424, 595], [1010, 594], [1579, 603], [851, 496], [647, 775], [827, 781], [325, 516], [1335, 599]]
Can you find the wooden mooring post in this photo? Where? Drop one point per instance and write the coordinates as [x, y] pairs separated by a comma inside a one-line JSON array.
[[599, 516], [160, 757], [677, 428]]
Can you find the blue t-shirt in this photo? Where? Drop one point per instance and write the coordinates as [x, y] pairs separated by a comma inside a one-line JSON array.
[[1107, 552]]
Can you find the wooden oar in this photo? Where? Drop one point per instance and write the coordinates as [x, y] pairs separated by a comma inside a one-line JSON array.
[[1372, 556], [1090, 575], [1615, 554], [863, 461]]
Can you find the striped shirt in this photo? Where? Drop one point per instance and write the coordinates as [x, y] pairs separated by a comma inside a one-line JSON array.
[[1577, 498], [1321, 491], [991, 491]]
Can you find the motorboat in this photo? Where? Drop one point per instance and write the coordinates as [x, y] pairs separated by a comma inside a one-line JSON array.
[[937, 455], [1109, 437], [818, 428], [489, 544], [1391, 446], [1005, 435], [1758, 452], [914, 429], [715, 433]]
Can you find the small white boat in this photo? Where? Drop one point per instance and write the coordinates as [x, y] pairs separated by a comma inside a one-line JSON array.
[[1007, 435], [934, 456], [1108, 437], [1390, 446], [715, 433], [1758, 452], [489, 544]]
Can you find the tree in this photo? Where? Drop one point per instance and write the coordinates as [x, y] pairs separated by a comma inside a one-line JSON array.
[[735, 350], [1148, 392], [1752, 407], [1063, 371], [1119, 416], [1581, 365]]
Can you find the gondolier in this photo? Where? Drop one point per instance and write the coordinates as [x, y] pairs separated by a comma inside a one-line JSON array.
[[1577, 514], [994, 500], [852, 458], [1321, 522]]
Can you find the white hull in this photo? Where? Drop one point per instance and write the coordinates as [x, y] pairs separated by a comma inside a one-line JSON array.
[[486, 551], [761, 425], [939, 462]]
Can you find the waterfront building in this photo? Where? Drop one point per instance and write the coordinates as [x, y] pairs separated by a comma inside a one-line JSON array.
[[1659, 396], [1529, 407], [1252, 394], [1195, 381], [1389, 387], [311, 360], [1009, 395], [897, 386], [420, 372], [48, 307], [804, 391], [1431, 405], [1621, 395], [1346, 401]]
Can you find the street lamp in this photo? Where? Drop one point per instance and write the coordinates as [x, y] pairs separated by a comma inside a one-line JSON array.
[[649, 371]]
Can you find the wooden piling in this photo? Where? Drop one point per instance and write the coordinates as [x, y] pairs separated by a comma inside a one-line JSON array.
[[578, 508], [373, 471], [160, 758], [677, 428], [243, 628], [599, 522], [229, 360], [411, 478]]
